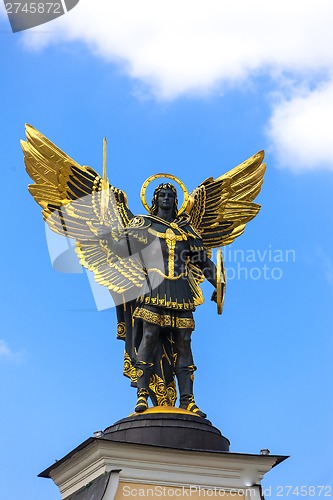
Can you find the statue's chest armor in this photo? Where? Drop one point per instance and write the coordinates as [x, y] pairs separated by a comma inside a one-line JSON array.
[[173, 244]]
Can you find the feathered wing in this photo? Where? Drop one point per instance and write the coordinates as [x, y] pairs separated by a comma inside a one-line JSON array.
[[220, 208], [70, 196]]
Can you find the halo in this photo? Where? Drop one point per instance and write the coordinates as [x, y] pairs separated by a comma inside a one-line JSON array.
[[165, 176]]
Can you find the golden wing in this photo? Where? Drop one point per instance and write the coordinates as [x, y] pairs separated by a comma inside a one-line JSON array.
[[220, 208], [71, 198]]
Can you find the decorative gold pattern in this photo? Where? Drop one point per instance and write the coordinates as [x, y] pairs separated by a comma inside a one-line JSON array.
[[166, 176], [121, 330], [182, 236], [140, 237], [195, 277], [129, 369], [172, 393], [166, 396], [172, 304], [137, 221], [163, 320]]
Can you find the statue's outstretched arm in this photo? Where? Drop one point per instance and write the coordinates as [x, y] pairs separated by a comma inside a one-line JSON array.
[[123, 247], [209, 270], [126, 242]]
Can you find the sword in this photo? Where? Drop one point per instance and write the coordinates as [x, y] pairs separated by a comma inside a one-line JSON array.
[[105, 186]]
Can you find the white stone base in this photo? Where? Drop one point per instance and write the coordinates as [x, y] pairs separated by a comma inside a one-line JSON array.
[[152, 472]]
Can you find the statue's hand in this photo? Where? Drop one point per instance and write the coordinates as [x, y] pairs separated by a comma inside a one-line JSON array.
[[214, 296], [103, 231]]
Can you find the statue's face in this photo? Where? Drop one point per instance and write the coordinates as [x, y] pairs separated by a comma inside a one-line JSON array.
[[166, 199]]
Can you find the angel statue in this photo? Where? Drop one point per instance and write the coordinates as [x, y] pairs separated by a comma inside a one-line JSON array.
[[152, 264]]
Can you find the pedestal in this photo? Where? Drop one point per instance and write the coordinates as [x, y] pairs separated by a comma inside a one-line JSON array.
[[168, 427], [159, 454]]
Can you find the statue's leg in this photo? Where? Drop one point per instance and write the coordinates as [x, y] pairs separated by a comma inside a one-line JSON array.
[[143, 371], [184, 370], [144, 363]]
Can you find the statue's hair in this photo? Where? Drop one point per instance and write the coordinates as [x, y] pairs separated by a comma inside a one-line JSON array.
[[154, 204]]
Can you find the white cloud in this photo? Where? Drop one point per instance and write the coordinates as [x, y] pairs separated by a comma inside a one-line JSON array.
[[193, 47], [6, 352], [301, 130], [189, 46]]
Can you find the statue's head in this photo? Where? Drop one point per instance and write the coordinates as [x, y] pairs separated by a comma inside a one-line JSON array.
[[157, 198]]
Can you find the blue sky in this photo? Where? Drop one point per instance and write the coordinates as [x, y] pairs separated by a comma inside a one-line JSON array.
[[265, 367]]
